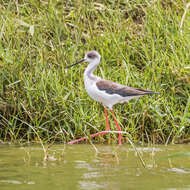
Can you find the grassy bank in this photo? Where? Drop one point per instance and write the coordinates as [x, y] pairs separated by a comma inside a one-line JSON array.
[[141, 43]]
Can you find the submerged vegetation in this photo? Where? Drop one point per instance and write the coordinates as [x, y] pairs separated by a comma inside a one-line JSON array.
[[144, 44]]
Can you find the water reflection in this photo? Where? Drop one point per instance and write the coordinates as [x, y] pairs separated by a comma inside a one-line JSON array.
[[81, 167]]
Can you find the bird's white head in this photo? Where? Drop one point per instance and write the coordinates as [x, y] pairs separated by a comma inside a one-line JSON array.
[[92, 57]]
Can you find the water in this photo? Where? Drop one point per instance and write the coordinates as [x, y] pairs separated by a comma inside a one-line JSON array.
[[80, 167]]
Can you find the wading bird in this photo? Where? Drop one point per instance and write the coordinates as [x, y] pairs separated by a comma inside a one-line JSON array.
[[107, 92]]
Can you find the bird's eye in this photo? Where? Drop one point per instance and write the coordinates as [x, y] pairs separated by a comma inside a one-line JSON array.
[[90, 56]]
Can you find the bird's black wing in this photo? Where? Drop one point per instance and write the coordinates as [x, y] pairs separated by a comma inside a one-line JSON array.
[[124, 91]]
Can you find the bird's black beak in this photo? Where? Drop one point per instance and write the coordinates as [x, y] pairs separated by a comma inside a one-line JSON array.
[[81, 61]]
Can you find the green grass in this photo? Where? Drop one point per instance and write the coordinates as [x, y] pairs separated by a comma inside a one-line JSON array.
[[141, 46]]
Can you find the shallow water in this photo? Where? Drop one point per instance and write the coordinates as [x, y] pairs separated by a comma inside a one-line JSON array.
[[81, 167]]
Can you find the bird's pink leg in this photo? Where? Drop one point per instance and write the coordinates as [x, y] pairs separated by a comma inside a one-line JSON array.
[[107, 121], [118, 127], [96, 134], [85, 138]]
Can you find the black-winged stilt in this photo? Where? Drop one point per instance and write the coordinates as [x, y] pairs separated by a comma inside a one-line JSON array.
[[107, 92]]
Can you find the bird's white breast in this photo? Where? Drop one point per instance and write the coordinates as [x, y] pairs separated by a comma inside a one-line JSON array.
[[101, 96]]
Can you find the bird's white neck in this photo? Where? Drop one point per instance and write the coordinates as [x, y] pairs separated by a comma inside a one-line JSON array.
[[90, 69]]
